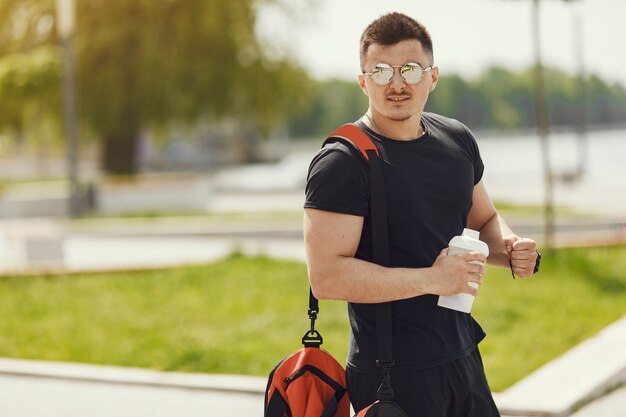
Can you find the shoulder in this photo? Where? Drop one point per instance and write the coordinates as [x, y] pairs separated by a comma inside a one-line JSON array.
[[454, 134], [445, 124], [338, 181], [338, 154]]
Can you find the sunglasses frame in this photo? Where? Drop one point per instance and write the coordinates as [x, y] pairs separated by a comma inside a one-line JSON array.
[[386, 67]]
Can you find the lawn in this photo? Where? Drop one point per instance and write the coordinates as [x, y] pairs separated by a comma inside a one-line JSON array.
[[242, 315]]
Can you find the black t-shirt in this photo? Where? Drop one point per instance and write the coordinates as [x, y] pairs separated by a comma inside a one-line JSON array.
[[429, 183]]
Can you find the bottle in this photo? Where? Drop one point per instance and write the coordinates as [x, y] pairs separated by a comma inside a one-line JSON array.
[[467, 242]]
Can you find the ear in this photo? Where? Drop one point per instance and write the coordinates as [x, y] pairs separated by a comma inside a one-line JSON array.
[[434, 77], [361, 79]]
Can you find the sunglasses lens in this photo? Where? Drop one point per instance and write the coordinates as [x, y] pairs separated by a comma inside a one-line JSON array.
[[382, 74], [412, 73]]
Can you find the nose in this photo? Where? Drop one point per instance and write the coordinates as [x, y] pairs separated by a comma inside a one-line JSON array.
[[397, 82]]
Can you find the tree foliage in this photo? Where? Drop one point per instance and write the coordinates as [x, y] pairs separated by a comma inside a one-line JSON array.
[[145, 63], [502, 99], [29, 97], [497, 99]]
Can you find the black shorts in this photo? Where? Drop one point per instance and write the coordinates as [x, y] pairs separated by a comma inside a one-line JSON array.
[[455, 389]]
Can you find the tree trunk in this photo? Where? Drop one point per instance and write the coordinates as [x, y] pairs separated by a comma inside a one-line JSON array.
[[118, 152]]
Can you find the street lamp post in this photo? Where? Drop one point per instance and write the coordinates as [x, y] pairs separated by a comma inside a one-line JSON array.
[[581, 120], [65, 25], [543, 130]]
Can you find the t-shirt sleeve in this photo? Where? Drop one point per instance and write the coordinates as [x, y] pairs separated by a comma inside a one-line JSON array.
[[479, 167], [337, 181]]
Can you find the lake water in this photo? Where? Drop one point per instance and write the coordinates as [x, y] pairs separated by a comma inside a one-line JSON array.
[[514, 170]]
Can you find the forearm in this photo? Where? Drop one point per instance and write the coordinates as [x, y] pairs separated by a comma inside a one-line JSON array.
[[493, 233], [354, 280]]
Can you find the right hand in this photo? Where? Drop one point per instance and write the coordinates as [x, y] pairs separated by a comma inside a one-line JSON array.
[[452, 273]]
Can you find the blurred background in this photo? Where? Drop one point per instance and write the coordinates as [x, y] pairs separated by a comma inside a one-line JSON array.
[[150, 135], [176, 91]]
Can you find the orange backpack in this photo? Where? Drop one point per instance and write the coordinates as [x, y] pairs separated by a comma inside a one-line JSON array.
[[310, 382]]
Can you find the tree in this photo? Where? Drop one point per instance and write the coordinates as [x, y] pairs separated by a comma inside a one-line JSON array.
[[29, 89], [333, 103], [460, 99], [143, 63]]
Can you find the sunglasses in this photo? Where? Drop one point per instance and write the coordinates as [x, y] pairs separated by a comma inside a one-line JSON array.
[[412, 73]]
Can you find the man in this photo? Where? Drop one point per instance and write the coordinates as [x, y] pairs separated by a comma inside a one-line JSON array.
[[433, 171]]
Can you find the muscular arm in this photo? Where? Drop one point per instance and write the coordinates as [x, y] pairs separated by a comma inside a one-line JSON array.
[[503, 243], [331, 240]]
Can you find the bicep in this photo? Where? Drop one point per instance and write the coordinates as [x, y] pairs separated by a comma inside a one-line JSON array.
[[328, 234], [330, 239]]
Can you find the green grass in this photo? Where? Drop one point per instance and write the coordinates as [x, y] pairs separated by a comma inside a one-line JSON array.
[[242, 315], [508, 210], [530, 322]]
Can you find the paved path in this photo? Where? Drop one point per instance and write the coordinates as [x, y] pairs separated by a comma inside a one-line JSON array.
[[55, 389], [24, 396]]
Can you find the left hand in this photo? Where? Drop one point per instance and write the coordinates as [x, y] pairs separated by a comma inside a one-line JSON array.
[[523, 255]]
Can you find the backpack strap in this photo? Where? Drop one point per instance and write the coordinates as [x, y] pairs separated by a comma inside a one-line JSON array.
[[352, 134]]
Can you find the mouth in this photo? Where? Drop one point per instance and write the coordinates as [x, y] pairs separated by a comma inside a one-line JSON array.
[[397, 99]]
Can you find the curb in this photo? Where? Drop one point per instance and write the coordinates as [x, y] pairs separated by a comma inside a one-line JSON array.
[[242, 384], [581, 375]]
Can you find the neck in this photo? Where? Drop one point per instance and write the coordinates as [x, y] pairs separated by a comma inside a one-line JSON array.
[[398, 130]]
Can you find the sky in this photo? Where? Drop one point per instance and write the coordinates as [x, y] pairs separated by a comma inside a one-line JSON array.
[[468, 35]]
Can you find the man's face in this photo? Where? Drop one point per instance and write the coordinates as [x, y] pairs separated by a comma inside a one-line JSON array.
[[398, 100]]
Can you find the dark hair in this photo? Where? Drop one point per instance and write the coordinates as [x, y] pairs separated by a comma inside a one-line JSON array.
[[392, 28]]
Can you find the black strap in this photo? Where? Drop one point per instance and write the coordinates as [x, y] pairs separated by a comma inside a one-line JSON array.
[[380, 244], [313, 307]]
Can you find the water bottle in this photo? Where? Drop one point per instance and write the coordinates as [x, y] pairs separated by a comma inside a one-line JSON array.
[[467, 242]]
